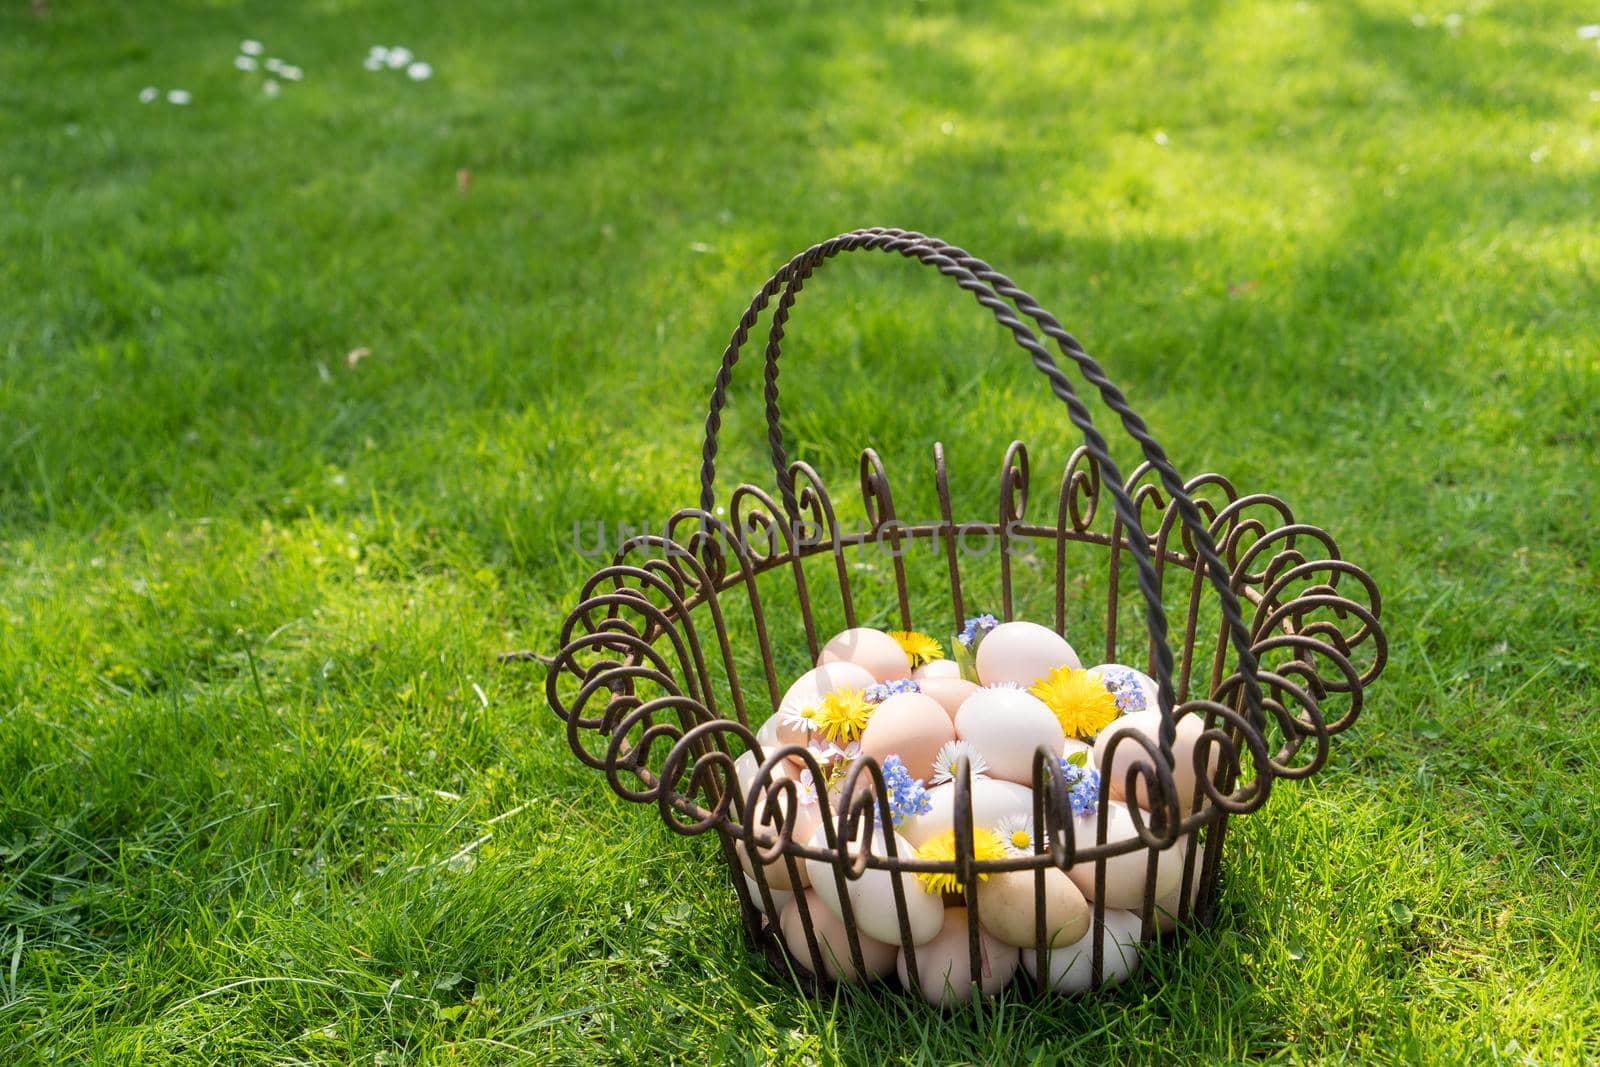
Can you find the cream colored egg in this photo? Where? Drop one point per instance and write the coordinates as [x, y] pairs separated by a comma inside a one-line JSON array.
[[1167, 905], [780, 897], [937, 668], [1022, 653], [944, 965], [807, 819], [833, 943], [874, 650], [992, 800], [1125, 873], [951, 693], [1129, 753], [1007, 908], [1007, 725], [911, 726], [1073, 746], [872, 895], [1072, 967], [809, 689]]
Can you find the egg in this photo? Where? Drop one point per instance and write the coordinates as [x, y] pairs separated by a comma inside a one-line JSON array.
[[809, 689], [937, 668], [780, 897], [1073, 747], [1006, 908], [833, 943], [872, 895], [951, 693], [1022, 653], [875, 651], [1133, 690], [808, 818], [1129, 752], [991, 799], [911, 726], [1007, 725], [1125, 874], [1072, 967], [944, 965], [1166, 908]]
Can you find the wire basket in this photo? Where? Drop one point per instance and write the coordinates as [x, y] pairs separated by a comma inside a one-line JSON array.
[[667, 672]]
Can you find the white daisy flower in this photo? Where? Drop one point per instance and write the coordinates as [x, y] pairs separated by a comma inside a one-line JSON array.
[[398, 56], [180, 97], [289, 72], [149, 94], [244, 62], [801, 718], [251, 48], [270, 89], [378, 52], [274, 64], [944, 764], [419, 72], [373, 62], [1016, 834]]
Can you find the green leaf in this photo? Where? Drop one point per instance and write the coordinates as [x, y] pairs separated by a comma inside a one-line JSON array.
[[1400, 913], [1079, 759]]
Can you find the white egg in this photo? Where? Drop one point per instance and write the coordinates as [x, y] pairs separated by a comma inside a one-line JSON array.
[[937, 668], [807, 819], [944, 965], [1072, 746], [1007, 725], [1007, 908], [809, 689], [874, 650], [780, 897], [1125, 873], [872, 895], [1130, 752], [1022, 653], [833, 942], [992, 800], [1072, 968], [1166, 908]]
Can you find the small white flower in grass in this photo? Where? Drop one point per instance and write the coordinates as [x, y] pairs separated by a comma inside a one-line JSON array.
[[397, 57], [244, 62], [373, 63], [944, 764], [251, 48], [1160, 137], [180, 97], [270, 89], [419, 72], [1590, 32], [1452, 21], [1016, 834], [291, 73], [1419, 20], [274, 64], [149, 94], [378, 51]]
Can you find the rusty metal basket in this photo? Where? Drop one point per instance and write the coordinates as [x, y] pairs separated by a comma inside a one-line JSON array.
[[1280, 637]]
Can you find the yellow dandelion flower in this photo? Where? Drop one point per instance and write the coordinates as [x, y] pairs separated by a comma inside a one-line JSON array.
[[842, 715], [1080, 701], [919, 647], [986, 845]]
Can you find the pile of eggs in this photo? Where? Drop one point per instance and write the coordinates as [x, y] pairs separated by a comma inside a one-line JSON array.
[[893, 697]]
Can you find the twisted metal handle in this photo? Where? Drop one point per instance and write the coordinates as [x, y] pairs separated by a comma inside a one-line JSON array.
[[987, 287]]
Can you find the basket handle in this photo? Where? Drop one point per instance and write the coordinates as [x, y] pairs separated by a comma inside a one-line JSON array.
[[977, 277]]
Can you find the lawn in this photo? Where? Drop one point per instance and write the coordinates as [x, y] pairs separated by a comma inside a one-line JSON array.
[[266, 793]]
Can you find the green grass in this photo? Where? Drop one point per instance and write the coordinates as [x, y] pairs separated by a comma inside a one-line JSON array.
[[250, 597]]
